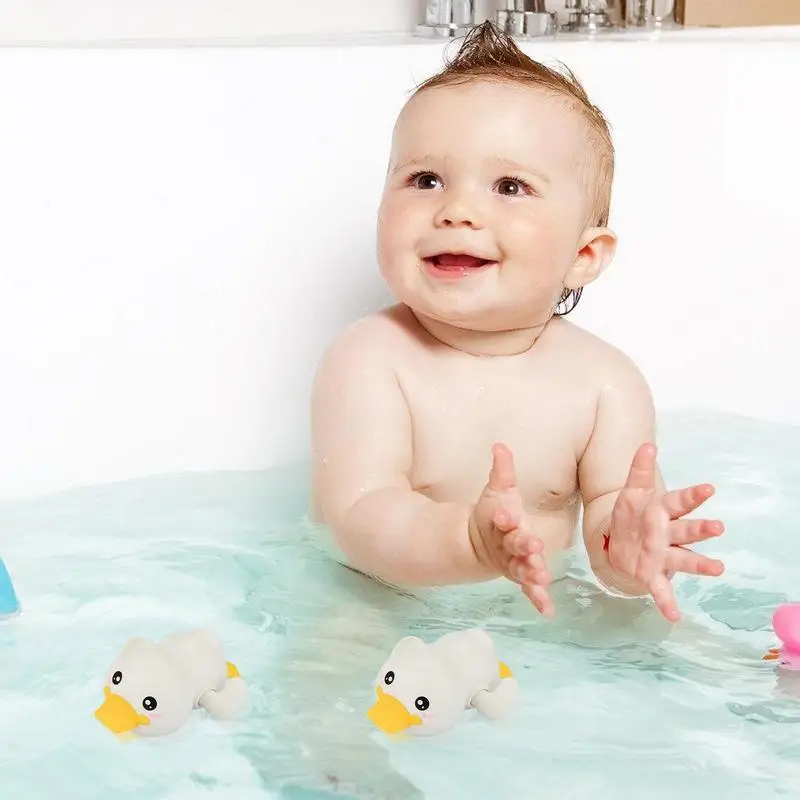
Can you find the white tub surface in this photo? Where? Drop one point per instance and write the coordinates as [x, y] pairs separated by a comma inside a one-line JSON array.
[[182, 229]]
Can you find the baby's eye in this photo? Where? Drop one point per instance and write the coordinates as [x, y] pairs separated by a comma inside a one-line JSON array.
[[513, 187], [424, 180]]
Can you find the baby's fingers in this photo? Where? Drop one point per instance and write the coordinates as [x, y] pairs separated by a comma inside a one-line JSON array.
[[520, 542], [691, 531], [530, 569], [680, 560], [540, 599], [680, 502], [664, 597], [505, 520]]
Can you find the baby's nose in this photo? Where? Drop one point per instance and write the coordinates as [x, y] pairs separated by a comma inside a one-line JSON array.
[[458, 211]]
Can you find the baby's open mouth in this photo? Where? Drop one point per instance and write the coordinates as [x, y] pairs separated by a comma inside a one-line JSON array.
[[457, 261]]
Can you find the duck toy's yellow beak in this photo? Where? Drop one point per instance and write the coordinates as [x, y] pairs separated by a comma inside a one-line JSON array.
[[118, 715], [390, 715]]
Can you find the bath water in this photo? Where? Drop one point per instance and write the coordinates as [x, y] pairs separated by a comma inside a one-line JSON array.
[[615, 703]]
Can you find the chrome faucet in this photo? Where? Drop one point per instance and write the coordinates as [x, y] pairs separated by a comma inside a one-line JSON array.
[[648, 13], [588, 16], [525, 18], [447, 18], [530, 18]]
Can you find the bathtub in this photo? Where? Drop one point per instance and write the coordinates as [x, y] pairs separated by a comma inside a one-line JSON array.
[[185, 225]]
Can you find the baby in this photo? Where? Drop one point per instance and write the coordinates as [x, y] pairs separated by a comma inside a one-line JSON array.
[[458, 434]]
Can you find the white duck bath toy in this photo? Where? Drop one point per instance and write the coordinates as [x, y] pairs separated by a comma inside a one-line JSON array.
[[152, 688], [423, 689]]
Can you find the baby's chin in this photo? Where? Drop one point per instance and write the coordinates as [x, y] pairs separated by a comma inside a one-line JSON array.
[[475, 318], [480, 303]]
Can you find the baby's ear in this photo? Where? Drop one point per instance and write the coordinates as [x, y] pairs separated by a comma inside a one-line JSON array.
[[596, 249], [408, 645]]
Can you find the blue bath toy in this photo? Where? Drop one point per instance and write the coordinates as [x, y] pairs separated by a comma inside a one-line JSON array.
[[9, 605]]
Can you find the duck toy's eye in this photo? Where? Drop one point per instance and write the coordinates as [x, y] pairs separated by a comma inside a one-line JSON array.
[[116, 678], [149, 704], [389, 678], [422, 704]]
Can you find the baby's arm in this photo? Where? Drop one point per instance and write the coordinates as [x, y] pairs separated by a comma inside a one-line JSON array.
[[362, 453], [626, 506], [624, 420]]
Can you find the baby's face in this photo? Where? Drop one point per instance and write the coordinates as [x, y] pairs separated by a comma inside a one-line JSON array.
[[484, 205]]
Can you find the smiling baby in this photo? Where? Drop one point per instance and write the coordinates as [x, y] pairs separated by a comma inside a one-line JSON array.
[[458, 434]]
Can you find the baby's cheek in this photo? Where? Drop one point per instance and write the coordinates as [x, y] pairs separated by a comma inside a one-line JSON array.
[[154, 715]]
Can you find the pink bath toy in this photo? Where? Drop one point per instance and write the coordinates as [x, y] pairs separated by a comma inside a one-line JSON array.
[[786, 624]]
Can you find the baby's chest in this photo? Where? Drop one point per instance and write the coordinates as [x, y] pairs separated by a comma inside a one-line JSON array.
[[458, 417]]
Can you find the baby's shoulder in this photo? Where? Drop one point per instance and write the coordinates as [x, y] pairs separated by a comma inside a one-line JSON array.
[[595, 358], [378, 338]]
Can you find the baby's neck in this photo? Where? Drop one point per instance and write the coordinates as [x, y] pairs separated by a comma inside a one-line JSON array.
[[482, 343]]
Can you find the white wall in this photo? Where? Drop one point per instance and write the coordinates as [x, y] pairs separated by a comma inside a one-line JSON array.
[[182, 230], [81, 20], [99, 19], [104, 20]]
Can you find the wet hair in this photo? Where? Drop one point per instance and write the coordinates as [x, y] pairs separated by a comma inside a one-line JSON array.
[[488, 54]]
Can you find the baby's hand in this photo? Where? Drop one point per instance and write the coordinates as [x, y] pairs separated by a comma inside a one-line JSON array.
[[646, 539], [502, 535]]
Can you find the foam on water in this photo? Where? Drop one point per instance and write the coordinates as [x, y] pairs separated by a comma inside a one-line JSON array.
[[616, 704]]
